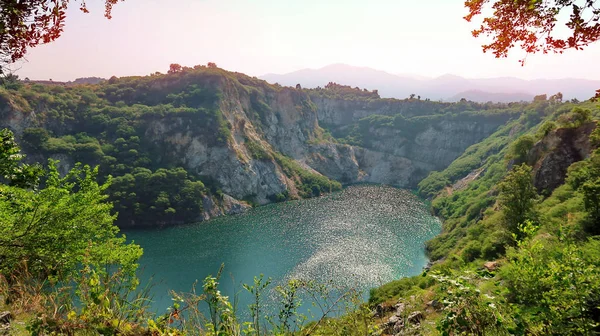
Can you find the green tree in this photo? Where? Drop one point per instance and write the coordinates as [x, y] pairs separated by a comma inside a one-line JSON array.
[[554, 285], [35, 138], [12, 170], [52, 229], [577, 117], [591, 201], [10, 81], [520, 148], [62, 235], [595, 137], [545, 129], [581, 116], [517, 198]]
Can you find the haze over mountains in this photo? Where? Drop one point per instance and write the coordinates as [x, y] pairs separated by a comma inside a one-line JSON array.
[[446, 87]]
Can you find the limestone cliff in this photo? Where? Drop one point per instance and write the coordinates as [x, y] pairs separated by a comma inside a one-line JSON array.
[[253, 141], [431, 145]]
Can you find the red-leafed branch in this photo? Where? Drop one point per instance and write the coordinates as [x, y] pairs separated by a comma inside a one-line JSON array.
[[532, 24], [25, 24]]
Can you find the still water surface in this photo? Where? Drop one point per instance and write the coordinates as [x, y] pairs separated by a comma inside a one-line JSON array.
[[360, 237]]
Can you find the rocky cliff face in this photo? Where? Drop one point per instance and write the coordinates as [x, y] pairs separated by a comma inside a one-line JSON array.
[[16, 117], [285, 126], [264, 121], [552, 156], [339, 111], [290, 125], [438, 145], [432, 148], [351, 164]]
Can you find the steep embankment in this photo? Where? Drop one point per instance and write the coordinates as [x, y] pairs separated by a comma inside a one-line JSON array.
[[233, 141], [397, 142], [552, 156], [519, 243]]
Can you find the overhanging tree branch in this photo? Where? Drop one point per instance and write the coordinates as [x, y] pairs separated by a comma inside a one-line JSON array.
[[25, 24], [532, 25]]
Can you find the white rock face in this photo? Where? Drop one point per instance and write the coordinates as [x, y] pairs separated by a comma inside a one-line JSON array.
[[227, 206], [350, 164], [16, 120]]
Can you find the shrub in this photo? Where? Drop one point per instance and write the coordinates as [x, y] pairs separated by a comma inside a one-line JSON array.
[[545, 129], [35, 138], [472, 251], [494, 245], [257, 151], [520, 148], [577, 117]]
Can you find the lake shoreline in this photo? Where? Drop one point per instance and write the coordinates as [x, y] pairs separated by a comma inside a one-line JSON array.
[[345, 186]]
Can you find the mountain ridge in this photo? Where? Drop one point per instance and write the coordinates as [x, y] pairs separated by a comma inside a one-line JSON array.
[[444, 87]]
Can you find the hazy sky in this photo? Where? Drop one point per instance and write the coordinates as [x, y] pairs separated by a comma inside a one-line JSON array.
[[427, 38]]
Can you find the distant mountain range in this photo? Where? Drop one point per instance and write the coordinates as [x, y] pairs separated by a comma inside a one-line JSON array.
[[446, 87]]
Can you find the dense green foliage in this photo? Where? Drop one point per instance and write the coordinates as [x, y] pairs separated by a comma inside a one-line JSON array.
[[339, 91], [519, 149], [163, 196], [544, 276], [51, 227], [60, 254], [517, 198], [12, 170], [554, 285]]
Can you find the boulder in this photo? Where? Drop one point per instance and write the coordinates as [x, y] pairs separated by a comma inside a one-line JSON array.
[[5, 317], [399, 326], [400, 307], [381, 309], [393, 320], [491, 266], [415, 317], [435, 304]]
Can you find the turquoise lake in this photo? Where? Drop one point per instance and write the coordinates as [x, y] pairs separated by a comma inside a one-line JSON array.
[[361, 237]]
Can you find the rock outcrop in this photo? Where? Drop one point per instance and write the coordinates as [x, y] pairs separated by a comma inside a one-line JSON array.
[[228, 205], [552, 156], [351, 164], [433, 147]]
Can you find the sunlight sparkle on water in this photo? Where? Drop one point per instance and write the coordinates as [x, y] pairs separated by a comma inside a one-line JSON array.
[[360, 237]]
